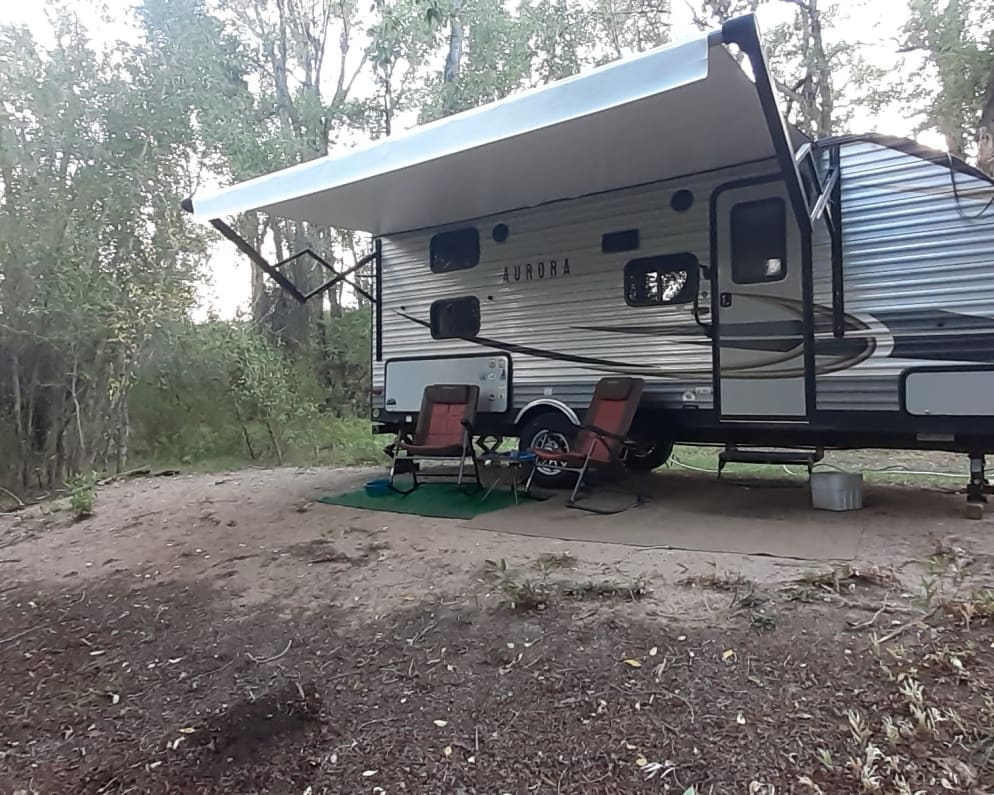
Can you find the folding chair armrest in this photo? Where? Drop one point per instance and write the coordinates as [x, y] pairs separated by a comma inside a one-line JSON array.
[[601, 432], [602, 436], [470, 432]]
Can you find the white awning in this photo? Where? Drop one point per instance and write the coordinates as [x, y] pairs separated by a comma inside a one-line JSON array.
[[676, 110]]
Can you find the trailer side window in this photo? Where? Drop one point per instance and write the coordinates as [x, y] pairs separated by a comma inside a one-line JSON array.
[[614, 242], [759, 241], [658, 281], [455, 318], [456, 250]]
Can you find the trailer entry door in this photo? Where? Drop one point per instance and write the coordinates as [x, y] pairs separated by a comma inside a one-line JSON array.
[[759, 311]]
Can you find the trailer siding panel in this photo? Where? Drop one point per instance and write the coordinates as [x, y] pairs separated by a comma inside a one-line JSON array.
[[914, 255], [556, 314]]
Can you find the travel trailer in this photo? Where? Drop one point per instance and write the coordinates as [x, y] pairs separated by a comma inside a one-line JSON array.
[[657, 217]]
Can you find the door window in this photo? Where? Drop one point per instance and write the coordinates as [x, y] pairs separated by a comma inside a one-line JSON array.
[[759, 241]]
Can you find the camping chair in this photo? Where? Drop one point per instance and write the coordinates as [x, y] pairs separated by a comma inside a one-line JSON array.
[[601, 438], [444, 432]]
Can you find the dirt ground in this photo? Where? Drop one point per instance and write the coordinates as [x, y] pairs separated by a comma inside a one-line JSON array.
[[223, 633]]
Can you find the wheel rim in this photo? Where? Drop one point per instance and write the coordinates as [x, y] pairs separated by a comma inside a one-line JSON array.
[[555, 442]]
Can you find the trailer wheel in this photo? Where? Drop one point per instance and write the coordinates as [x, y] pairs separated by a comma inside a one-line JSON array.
[[648, 455], [549, 430]]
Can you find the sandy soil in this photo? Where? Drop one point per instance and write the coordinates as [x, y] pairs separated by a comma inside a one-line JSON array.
[[223, 633]]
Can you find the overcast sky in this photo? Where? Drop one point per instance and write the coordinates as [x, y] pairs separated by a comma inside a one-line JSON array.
[[875, 25]]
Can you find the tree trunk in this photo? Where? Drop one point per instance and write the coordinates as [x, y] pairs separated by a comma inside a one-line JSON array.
[[31, 390], [77, 410], [953, 133], [453, 58], [387, 109], [245, 433], [823, 75], [123, 432], [20, 429], [985, 130], [276, 444], [262, 303]]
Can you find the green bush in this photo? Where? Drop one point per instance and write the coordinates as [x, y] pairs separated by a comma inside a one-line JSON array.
[[82, 496], [220, 394]]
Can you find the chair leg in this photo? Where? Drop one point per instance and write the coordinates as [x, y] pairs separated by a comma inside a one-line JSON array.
[[468, 452], [531, 475], [572, 503], [476, 468], [579, 478], [393, 475]]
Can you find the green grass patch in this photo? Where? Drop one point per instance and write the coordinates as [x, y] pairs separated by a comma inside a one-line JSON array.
[[330, 441], [879, 466]]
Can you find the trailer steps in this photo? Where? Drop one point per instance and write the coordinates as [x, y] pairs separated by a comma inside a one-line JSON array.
[[738, 455]]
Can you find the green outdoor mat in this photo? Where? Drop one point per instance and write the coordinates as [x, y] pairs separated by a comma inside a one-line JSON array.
[[442, 500]]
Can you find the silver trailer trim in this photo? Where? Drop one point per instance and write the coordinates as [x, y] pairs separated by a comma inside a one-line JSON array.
[[558, 405]]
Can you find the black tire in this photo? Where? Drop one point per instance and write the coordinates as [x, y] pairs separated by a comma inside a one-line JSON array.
[[648, 455], [551, 430]]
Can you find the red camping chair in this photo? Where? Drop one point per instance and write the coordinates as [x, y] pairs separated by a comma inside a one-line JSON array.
[[444, 432], [601, 438]]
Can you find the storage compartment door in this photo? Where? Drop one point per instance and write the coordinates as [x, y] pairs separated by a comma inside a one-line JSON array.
[[406, 379]]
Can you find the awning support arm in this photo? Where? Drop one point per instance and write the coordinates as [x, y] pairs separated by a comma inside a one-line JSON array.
[[829, 204], [835, 230], [744, 33], [826, 194], [274, 273]]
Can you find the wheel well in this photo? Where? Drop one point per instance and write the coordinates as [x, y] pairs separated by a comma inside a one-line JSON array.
[[532, 410], [545, 408]]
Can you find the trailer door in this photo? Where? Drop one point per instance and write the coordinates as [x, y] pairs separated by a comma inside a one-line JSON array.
[[759, 309]]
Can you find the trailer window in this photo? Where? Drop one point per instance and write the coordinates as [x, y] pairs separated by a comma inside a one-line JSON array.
[[656, 281], [455, 318], [454, 251], [626, 240], [759, 241]]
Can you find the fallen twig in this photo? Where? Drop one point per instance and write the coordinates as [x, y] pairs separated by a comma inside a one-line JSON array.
[[905, 627], [17, 499], [871, 620], [256, 660], [374, 721], [211, 671], [507, 724], [872, 608], [22, 634], [131, 473], [423, 632]]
